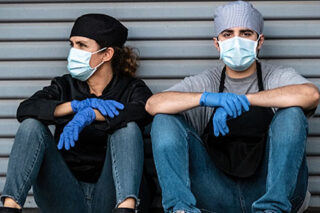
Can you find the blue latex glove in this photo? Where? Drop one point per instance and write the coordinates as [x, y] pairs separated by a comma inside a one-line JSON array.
[[72, 130], [219, 120], [232, 103], [105, 107]]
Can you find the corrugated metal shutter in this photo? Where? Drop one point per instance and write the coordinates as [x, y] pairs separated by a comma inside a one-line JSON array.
[[174, 40]]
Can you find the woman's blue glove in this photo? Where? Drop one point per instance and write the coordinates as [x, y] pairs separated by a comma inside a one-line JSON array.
[[105, 107], [219, 120], [232, 103], [72, 130]]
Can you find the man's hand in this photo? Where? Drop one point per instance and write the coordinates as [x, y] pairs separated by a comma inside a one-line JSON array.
[[220, 122], [72, 130], [233, 104], [106, 107]]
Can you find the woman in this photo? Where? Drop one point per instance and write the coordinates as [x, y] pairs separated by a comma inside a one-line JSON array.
[[94, 161]]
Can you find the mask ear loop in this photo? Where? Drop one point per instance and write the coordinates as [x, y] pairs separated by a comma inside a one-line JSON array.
[[96, 67], [99, 50], [220, 55], [256, 46]]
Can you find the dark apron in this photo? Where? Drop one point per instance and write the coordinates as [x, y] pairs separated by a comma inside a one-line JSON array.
[[240, 152]]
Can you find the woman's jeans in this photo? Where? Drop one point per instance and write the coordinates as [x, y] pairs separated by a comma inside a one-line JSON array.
[[190, 181], [35, 161]]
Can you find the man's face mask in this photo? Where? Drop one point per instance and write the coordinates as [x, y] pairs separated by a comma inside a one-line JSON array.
[[79, 64], [238, 53]]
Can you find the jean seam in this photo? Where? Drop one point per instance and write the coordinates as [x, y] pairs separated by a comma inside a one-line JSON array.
[[188, 158], [116, 175], [243, 206], [300, 159], [28, 172]]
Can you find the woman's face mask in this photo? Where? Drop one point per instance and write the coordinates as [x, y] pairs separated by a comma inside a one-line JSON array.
[[238, 53], [79, 63]]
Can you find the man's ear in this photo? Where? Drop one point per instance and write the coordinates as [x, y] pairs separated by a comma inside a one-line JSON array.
[[108, 54], [216, 44], [260, 42]]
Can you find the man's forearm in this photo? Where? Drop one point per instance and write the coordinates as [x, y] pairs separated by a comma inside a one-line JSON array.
[[172, 102], [305, 96]]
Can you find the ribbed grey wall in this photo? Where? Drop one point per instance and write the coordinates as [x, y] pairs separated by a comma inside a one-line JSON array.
[[174, 41]]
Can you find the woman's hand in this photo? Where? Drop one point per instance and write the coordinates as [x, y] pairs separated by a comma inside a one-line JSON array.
[[106, 107], [72, 130]]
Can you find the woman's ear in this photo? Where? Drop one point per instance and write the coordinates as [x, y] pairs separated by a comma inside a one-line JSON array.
[[108, 54], [216, 44]]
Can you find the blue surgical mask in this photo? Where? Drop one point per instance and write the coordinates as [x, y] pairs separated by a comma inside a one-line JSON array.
[[79, 64], [238, 53]]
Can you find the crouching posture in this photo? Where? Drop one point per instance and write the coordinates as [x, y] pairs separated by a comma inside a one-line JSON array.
[[94, 160], [232, 139]]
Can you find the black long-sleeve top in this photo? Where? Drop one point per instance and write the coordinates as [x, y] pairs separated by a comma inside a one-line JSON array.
[[86, 159]]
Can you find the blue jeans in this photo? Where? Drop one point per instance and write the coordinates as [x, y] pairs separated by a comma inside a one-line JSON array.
[[35, 161], [190, 181]]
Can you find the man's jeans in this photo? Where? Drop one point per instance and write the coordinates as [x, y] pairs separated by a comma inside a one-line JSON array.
[[190, 181], [35, 160]]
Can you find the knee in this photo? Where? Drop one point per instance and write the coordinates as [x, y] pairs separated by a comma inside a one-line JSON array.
[[31, 132], [131, 131], [31, 126], [289, 125], [163, 124], [167, 132], [291, 115]]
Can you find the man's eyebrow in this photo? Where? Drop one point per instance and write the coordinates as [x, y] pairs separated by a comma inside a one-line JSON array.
[[246, 30], [227, 31]]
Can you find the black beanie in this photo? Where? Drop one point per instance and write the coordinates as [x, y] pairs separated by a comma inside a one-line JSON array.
[[101, 28]]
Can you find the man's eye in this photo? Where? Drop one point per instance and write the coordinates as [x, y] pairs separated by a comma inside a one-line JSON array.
[[226, 34], [247, 34]]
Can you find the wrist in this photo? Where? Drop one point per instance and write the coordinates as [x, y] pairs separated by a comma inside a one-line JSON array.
[[203, 98], [74, 106], [92, 114], [249, 97]]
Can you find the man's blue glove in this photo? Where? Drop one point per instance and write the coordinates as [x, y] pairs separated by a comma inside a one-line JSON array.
[[105, 107], [219, 120], [72, 130], [232, 103]]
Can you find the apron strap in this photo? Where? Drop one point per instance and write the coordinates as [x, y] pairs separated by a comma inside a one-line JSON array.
[[222, 78], [259, 74]]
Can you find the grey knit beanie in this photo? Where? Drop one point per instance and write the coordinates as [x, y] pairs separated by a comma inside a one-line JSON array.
[[237, 14]]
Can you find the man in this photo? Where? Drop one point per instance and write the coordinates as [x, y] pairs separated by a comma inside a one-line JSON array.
[[234, 139]]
